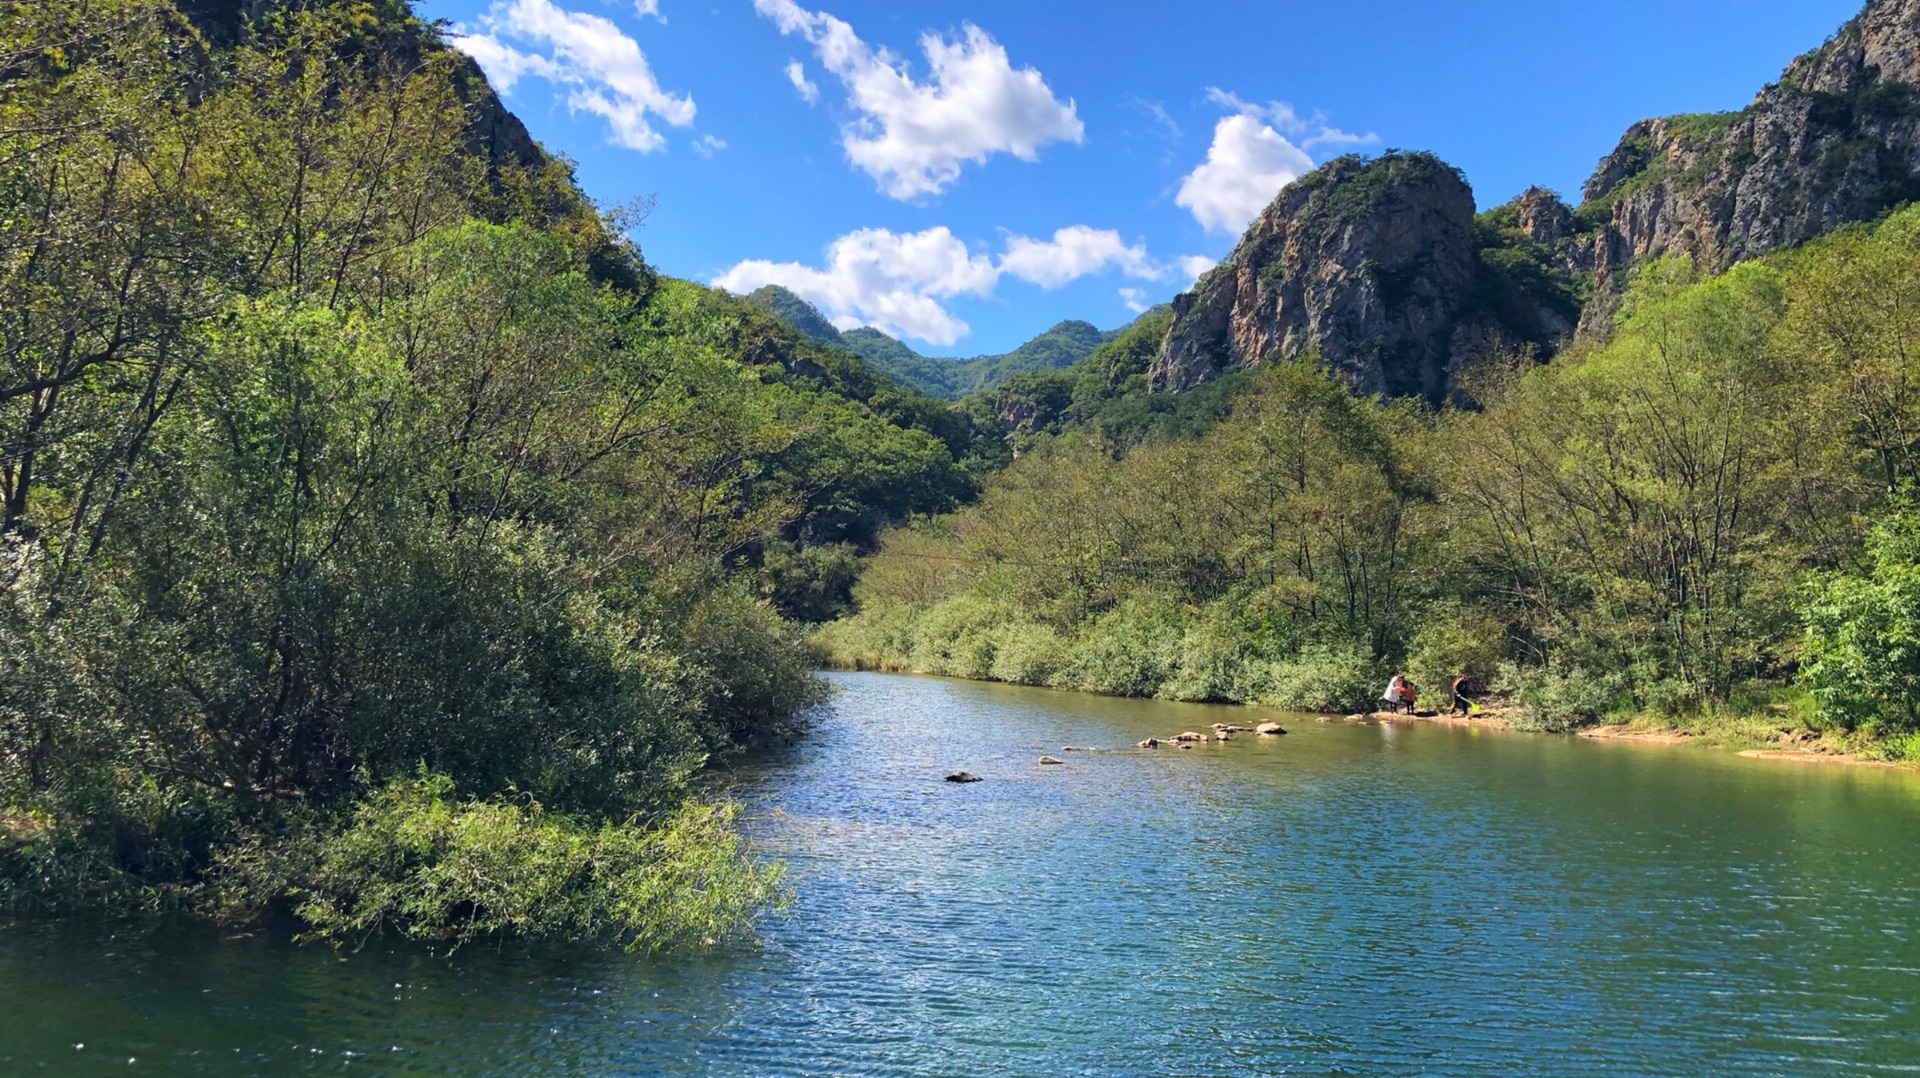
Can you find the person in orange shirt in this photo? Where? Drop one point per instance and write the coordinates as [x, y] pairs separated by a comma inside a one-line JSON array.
[[1399, 691]]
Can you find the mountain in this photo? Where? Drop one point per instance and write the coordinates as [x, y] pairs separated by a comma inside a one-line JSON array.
[[1061, 346], [1382, 268]]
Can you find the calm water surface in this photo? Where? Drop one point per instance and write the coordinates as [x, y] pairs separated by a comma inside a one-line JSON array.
[[1348, 900]]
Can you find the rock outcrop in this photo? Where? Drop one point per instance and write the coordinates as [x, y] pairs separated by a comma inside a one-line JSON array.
[[1836, 140], [1382, 269], [1367, 264]]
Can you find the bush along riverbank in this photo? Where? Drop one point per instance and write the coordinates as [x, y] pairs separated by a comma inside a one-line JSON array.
[[381, 540], [1706, 523]]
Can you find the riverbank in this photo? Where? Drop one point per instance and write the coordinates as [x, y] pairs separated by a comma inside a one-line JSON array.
[[1269, 906], [1771, 733], [1756, 736]]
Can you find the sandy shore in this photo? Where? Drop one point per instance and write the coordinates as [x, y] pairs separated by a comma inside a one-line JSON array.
[[1797, 747]]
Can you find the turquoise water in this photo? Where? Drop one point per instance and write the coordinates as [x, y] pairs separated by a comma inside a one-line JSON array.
[[1347, 900]]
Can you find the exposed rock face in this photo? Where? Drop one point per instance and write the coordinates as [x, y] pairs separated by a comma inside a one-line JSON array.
[[1367, 263], [1382, 269], [1836, 140]]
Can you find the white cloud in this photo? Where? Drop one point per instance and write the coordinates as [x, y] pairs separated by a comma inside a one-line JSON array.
[[603, 69], [1135, 299], [1246, 165], [797, 74], [913, 137], [1192, 266], [648, 8], [901, 282], [875, 277], [1251, 159], [707, 145], [1072, 253]]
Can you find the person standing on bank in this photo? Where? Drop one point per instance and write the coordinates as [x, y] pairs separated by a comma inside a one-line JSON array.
[[1399, 691], [1461, 705]]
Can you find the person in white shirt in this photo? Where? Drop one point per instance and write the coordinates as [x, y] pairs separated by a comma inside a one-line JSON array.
[[1399, 691]]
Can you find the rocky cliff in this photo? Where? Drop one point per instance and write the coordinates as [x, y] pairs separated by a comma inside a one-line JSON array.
[[1836, 140], [1383, 270]]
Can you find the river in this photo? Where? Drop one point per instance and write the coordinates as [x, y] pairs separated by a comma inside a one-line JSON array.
[[1350, 899]]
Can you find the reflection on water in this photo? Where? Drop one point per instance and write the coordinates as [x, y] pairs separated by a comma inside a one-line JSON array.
[[1347, 900]]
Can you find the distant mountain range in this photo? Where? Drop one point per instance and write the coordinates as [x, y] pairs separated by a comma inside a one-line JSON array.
[[1062, 346]]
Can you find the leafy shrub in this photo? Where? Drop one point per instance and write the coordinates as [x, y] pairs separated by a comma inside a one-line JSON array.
[[956, 638], [1559, 696], [1128, 651], [1452, 640], [1213, 663], [1863, 635], [415, 861], [872, 640], [748, 669], [1029, 653], [1323, 677]]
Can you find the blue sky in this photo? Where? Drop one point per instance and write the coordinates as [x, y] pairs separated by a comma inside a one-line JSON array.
[[965, 173]]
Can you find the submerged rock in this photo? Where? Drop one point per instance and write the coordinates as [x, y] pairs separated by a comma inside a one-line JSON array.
[[963, 776]]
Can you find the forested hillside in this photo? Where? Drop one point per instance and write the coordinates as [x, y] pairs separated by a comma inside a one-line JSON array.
[[1707, 515], [383, 541], [380, 538], [1060, 347]]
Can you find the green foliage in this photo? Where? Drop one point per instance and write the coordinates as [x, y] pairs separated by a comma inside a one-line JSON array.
[[1107, 395], [1624, 529], [796, 312], [338, 441], [1194, 568], [416, 861], [1452, 640], [1519, 280], [1559, 696], [1058, 348], [1353, 185], [1324, 677], [1862, 652]]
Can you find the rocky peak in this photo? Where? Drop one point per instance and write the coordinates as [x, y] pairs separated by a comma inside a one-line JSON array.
[[1836, 140], [1544, 219], [1367, 263]]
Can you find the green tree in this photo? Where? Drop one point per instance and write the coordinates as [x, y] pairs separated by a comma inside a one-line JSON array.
[[1862, 657]]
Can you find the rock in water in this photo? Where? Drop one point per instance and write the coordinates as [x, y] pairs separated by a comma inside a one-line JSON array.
[[1051, 760], [1270, 729], [1152, 743], [1189, 736], [963, 776]]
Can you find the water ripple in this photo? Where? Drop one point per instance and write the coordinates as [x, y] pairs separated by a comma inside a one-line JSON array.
[[1347, 900]]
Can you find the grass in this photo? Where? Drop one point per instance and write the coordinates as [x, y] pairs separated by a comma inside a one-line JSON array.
[[1775, 718]]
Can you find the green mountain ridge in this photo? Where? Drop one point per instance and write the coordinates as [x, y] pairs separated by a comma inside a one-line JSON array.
[[1059, 347]]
